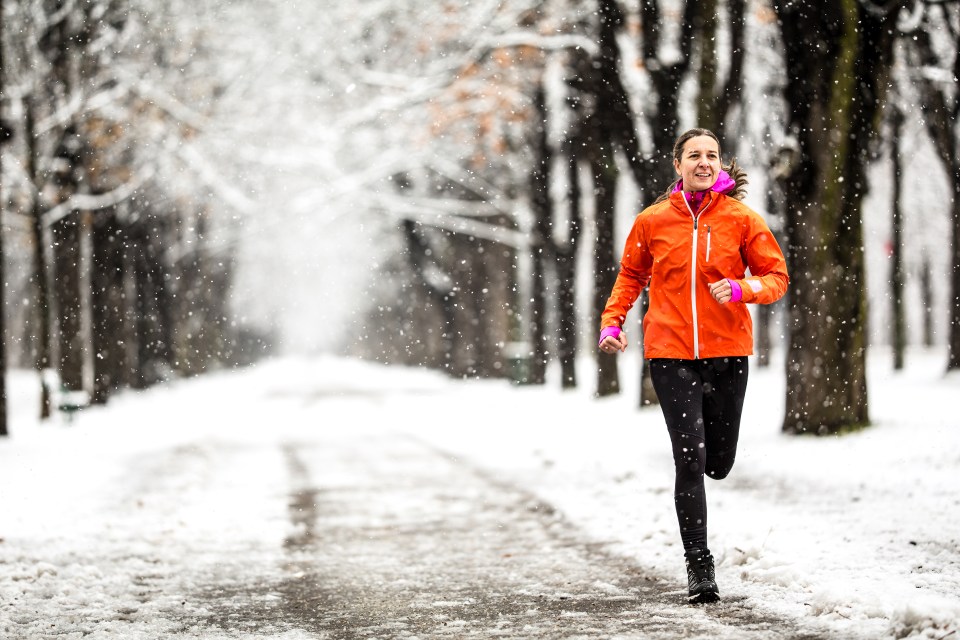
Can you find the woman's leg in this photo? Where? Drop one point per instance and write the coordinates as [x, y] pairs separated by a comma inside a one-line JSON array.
[[724, 385], [702, 401], [679, 388]]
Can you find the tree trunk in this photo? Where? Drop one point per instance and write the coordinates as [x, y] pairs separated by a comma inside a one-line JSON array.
[[68, 294], [3, 334], [439, 293], [605, 174], [39, 276], [953, 360], [708, 115], [926, 299], [4, 132], [648, 395], [834, 84], [611, 122], [898, 338], [764, 312], [539, 242], [666, 79], [940, 116], [152, 307], [566, 264], [3, 297], [109, 307], [730, 95]]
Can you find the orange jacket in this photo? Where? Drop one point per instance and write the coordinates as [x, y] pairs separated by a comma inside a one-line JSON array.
[[679, 254]]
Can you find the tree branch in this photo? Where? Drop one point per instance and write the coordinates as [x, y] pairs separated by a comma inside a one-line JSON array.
[[93, 202]]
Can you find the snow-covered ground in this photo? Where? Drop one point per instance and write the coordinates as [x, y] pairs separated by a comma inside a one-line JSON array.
[[854, 537]]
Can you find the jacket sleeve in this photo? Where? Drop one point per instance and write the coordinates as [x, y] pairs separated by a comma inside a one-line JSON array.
[[768, 277], [634, 274]]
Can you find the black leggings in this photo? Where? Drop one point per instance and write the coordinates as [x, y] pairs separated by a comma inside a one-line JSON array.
[[701, 401]]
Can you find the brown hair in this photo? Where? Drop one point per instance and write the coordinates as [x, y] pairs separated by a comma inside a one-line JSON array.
[[738, 175]]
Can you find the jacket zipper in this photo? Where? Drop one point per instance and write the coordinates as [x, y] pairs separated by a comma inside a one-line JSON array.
[[708, 244], [693, 282]]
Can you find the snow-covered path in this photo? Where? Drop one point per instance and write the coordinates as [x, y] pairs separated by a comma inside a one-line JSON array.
[[396, 539], [383, 536], [332, 499]]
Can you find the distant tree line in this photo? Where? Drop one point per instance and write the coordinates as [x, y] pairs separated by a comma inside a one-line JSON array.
[[114, 278], [554, 107], [491, 147]]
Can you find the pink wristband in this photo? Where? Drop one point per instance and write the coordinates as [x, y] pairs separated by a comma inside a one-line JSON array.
[[612, 332], [736, 293]]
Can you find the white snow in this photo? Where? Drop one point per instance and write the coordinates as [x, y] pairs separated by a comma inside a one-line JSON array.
[[855, 536]]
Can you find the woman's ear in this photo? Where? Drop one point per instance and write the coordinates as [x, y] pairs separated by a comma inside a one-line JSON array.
[[676, 167]]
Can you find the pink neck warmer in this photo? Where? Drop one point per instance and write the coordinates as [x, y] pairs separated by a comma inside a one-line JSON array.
[[724, 184]]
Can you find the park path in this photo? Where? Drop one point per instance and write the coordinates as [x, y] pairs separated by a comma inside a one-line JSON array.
[[390, 538], [334, 530]]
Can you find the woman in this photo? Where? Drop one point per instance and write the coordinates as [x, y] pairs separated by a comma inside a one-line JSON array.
[[693, 247]]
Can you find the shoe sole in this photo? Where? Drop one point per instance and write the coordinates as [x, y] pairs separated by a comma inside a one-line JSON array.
[[705, 598], [708, 593]]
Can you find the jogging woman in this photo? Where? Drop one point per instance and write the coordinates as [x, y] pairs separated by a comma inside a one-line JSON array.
[[693, 247]]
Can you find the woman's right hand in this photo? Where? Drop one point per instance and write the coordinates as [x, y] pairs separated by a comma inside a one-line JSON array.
[[613, 339]]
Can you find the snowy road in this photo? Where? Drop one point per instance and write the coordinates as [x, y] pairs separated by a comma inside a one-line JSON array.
[[385, 537], [393, 539], [335, 500]]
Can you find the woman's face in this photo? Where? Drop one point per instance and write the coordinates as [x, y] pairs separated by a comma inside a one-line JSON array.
[[699, 164]]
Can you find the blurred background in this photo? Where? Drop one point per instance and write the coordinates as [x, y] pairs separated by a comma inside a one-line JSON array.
[[194, 186]]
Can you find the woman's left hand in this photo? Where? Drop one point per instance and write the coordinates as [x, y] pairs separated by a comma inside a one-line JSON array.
[[721, 291]]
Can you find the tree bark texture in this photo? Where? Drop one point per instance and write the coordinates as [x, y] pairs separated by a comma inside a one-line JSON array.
[[566, 264], [664, 125], [68, 295], [39, 275], [111, 308], [199, 291], [605, 271], [648, 394], [765, 312], [152, 305], [940, 114], [926, 300], [4, 132], [666, 79], [837, 57], [440, 297], [610, 123], [898, 324], [540, 245]]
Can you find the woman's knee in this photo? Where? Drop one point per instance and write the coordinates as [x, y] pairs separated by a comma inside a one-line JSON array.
[[719, 466]]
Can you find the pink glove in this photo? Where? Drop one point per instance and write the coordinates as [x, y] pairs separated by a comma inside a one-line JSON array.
[[613, 332]]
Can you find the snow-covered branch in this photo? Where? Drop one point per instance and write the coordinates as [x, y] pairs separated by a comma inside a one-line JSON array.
[[539, 41], [213, 179], [94, 202], [400, 209], [166, 102]]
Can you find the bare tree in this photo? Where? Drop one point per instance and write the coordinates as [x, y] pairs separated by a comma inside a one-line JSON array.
[[835, 83], [718, 96], [610, 126], [105, 139], [935, 72], [4, 133], [898, 336], [541, 245]]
